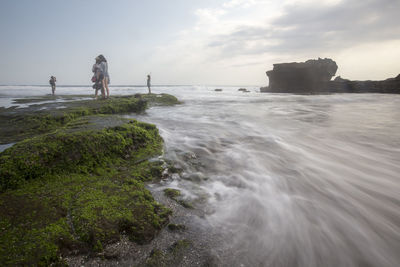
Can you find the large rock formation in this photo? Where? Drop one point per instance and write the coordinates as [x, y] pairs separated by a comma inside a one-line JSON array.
[[314, 76], [304, 77]]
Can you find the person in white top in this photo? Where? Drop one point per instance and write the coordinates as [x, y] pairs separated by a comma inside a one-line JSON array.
[[98, 78], [104, 69]]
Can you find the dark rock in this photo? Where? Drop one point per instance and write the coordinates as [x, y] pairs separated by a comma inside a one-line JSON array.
[[111, 254], [388, 86], [304, 77], [314, 77], [218, 90], [172, 193], [242, 89], [340, 79], [176, 227]]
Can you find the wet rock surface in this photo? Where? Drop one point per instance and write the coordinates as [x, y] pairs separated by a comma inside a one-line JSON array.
[[74, 191], [187, 241], [39, 115]]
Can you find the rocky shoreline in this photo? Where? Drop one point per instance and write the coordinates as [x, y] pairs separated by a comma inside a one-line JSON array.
[[314, 77], [73, 187]]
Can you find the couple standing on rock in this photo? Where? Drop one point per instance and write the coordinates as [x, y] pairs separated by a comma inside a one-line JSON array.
[[101, 78]]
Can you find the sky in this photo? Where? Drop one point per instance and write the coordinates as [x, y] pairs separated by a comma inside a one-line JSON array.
[[202, 42]]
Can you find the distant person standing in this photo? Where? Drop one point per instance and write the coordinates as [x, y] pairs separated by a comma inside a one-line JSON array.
[[104, 69], [52, 82], [149, 83]]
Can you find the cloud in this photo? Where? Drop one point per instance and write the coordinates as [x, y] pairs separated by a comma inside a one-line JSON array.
[[315, 26], [230, 42], [239, 3], [209, 16]]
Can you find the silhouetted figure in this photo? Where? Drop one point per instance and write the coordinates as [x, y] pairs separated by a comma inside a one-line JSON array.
[[104, 69], [52, 82], [98, 78], [149, 83]]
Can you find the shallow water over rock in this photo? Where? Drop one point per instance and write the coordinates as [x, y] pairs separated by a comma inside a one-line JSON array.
[[290, 180], [285, 180]]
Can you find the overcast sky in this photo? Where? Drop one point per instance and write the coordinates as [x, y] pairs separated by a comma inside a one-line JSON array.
[[205, 42]]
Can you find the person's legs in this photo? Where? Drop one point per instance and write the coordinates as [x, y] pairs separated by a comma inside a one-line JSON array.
[[103, 94], [105, 84], [95, 94], [101, 83], [53, 89]]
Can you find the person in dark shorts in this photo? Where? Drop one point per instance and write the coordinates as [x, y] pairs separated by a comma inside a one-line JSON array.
[[52, 82]]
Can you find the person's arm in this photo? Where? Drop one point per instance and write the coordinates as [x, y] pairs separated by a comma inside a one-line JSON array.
[[103, 67]]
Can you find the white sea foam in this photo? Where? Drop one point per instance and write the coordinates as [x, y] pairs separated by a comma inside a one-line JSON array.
[[292, 180], [288, 180]]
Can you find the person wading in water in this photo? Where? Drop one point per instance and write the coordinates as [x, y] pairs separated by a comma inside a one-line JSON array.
[[52, 82]]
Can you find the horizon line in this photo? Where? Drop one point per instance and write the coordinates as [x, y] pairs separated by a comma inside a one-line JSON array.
[[131, 85]]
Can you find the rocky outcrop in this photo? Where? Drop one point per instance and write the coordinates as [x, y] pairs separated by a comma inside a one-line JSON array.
[[304, 77], [388, 86], [75, 184], [314, 77]]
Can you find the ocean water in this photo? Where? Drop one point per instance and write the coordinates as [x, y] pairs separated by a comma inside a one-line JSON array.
[[286, 180]]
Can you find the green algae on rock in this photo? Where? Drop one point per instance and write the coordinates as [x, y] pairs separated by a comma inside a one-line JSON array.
[[77, 183], [173, 256], [160, 99], [78, 191], [175, 194], [172, 193], [46, 117], [81, 152]]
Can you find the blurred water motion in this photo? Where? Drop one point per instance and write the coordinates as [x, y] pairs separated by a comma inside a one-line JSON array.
[[292, 180], [286, 180]]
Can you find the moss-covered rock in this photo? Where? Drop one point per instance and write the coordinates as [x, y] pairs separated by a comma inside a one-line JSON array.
[[74, 186], [173, 256], [46, 117], [157, 258], [175, 194], [160, 99], [172, 193], [79, 152], [78, 191]]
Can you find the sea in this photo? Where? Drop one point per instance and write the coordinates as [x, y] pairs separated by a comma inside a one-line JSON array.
[[287, 180]]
